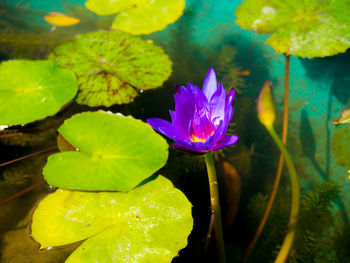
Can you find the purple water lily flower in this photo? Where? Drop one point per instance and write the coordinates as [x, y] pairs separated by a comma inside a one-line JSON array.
[[201, 117]]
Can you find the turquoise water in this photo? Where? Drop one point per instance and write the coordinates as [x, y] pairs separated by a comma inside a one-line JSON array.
[[206, 35]]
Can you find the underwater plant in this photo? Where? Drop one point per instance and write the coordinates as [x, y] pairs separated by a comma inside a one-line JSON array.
[[300, 28], [33, 90], [112, 66], [266, 114], [137, 16], [148, 221], [199, 125], [316, 231]]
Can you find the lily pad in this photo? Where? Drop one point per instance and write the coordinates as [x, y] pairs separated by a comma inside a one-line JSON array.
[[139, 16], [33, 90], [114, 152], [301, 28], [148, 224], [111, 66]]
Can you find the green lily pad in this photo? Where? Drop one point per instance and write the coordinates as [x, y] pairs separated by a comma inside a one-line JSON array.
[[148, 224], [114, 152], [111, 66], [302, 28], [139, 16], [33, 90]]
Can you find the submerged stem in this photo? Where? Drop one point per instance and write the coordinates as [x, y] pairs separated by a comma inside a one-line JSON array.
[[293, 218], [215, 207], [22, 192], [41, 48], [28, 156], [280, 164]]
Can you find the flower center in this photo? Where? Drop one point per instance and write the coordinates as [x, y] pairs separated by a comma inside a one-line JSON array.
[[194, 138], [201, 127]]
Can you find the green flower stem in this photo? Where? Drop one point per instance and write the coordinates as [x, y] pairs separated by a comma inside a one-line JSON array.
[[215, 207], [293, 218]]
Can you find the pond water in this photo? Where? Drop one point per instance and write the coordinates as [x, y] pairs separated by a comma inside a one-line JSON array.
[[205, 36]]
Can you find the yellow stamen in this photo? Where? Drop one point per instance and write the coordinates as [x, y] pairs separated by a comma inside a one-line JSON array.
[[197, 139]]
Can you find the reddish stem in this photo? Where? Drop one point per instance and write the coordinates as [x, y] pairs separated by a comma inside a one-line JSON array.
[[280, 164], [29, 155], [24, 191]]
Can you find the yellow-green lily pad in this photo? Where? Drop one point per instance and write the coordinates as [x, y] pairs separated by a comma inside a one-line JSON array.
[[151, 223], [33, 90], [314, 28], [139, 16], [113, 152], [112, 66]]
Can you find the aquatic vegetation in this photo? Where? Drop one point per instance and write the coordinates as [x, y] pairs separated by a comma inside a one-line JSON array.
[[299, 28], [340, 146], [201, 117], [266, 114], [19, 138], [33, 90], [111, 66], [137, 16], [228, 68], [126, 148], [314, 230]]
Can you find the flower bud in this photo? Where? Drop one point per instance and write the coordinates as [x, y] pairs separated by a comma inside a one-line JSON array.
[[266, 107]]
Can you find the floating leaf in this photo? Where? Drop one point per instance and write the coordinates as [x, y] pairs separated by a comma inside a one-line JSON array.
[[115, 153], [111, 65], [148, 224], [301, 28], [59, 19], [139, 16], [33, 90]]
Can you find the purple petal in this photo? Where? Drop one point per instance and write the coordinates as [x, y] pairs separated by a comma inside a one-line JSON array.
[[210, 84], [184, 108], [163, 126], [173, 116], [226, 141], [217, 105], [230, 96], [192, 147]]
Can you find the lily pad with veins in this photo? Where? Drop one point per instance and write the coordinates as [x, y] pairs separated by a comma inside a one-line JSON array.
[[302, 28], [33, 90], [151, 223], [139, 16], [113, 152], [112, 66]]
